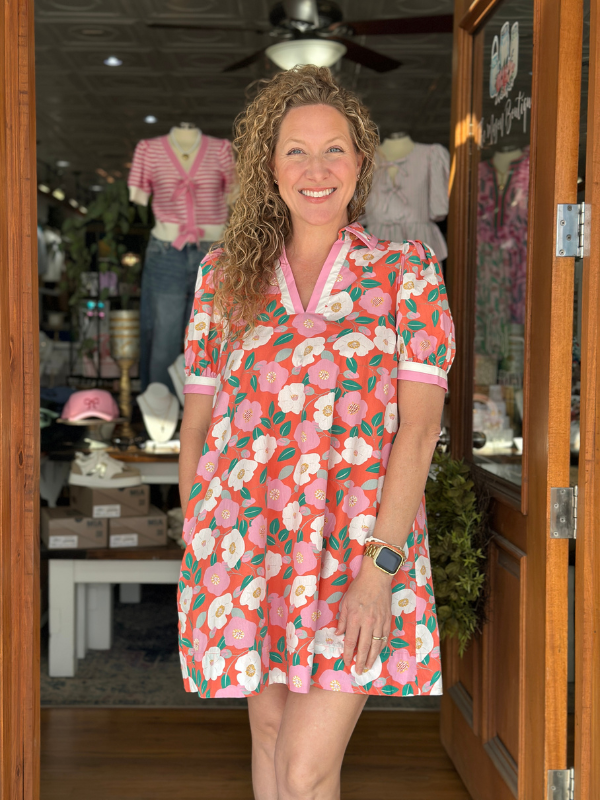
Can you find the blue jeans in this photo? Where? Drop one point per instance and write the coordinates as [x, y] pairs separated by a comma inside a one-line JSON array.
[[168, 283]]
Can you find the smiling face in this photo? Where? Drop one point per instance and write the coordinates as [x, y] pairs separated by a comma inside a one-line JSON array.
[[316, 165]]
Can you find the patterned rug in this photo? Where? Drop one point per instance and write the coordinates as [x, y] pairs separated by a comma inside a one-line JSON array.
[[142, 667]]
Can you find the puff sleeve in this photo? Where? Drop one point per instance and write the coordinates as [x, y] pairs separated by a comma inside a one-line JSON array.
[[439, 175], [140, 174], [203, 337], [425, 330]]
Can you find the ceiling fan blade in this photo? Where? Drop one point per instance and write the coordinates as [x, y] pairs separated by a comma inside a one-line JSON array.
[[302, 11], [366, 56], [245, 62], [194, 27], [441, 23]]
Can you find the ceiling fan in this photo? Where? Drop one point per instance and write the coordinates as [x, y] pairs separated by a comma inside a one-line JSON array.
[[318, 20]]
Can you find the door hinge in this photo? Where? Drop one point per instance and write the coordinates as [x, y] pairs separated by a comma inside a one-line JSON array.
[[561, 784], [572, 229], [563, 513]]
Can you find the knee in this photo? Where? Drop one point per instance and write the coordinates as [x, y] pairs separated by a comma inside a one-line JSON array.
[[298, 778], [264, 732]]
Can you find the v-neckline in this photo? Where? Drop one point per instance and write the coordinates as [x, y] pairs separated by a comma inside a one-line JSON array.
[[195, 163], [322, 288]]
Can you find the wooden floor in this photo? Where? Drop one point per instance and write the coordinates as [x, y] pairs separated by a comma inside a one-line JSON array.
[[157, 754]]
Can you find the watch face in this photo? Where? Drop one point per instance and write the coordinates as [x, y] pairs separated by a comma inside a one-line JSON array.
[[388, 560]]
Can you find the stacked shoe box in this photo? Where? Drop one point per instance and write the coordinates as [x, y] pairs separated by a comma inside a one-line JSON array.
[[68, 529]]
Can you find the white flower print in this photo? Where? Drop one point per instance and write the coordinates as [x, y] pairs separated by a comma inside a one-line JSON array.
[[257, 337], [338, 306], [291, 639], [422, 570], [292, 518], [328, 643], [219, 610], [222, 433], [403, 602], [385, 339], [316, 536], [212, 493], [356, 450], [390, 420], [323, 414], [423, 641], [306, 351], [203, 543], [213, 664], [367, 674], [361, 527], [411, 285], [233, 363], [241, 473], [353, 344], [304, 586], [199, 326], [329, 565], [184, 666], [430, 275], [291, 398], [333, 458], [365, 258], [273, 562], [307, 465], [182, 621], [264, 447], [192, 685], [277, 675], [185, 599], [380, 482], [249, 670], [254, 593], [233, 547]]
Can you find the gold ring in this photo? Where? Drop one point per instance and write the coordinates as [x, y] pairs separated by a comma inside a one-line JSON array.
[[379, 638]]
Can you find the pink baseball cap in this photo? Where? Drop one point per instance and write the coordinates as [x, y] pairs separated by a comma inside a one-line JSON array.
[[91, 404]]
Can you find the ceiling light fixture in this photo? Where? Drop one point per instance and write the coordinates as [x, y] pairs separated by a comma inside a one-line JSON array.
[[150, 119], [113, 61], [320, 52], [63, 164], [59, 194], [43, 188]]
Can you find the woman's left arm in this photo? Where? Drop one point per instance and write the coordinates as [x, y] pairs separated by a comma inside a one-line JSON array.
[[366, 606]]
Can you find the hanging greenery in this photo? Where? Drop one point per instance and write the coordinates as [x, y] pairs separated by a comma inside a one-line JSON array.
[[459, 539]]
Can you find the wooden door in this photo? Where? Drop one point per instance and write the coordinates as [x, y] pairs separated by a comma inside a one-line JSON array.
[[515, 128]]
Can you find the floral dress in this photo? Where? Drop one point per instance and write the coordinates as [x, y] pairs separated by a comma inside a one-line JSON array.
[[289, 482]]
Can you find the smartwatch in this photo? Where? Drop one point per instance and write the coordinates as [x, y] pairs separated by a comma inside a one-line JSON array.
[[384, 558]]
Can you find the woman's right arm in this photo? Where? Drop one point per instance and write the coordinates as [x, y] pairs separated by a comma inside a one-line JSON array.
[[197, 413]]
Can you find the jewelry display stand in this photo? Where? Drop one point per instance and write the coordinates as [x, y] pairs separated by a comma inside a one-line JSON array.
[[160, 410], [125, 349]]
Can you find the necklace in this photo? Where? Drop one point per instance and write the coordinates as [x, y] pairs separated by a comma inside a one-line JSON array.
[[185, 154], [157, 420]]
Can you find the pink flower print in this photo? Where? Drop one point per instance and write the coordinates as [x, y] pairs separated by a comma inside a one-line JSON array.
[[190, 356], [323, 374], [303, 558], [266, 648], [316, 493], [221, 404], [247, 416], [421, 517], [423, 344], [226, 513], [240, 633], [329, 525], [420, 606], [446, 323], [335, 680], [188, 529], [355, 501], [257, 532], [306, 435], [308, 324], [376, 301], [272, 377], [385, 389], [216, 579], [402, 667], [385, 453], [199, 642], [207, 466], [230, 691], [278, 612], [343, 280], [352, 408], [278, 494], [354, 565], [299, 679], [316, 615]]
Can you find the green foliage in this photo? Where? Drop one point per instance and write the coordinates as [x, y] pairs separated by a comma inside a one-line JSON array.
[[458, 540]]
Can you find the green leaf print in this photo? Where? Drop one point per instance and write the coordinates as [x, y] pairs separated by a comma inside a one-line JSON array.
[[351, 363], [353, 431], [371, 383], [271, 408], [194, 566], [373, 468], [186, 574], [283, 339], [286, 453], [263, 475], [196, 489], [213, 559], [253, 511], [198, 577], [406, 336], [241, 443], [274, 526], [245, 492], [340, 581], [433, 295], [266, 422], [233, 380], [407, 690], [440, 353], [375, 361], [288, 547], [392, 319], [431, 624], [249, 361], [411, 305], [248, 579], [225, 681], [257, 560], [425, 661], [363, 320], [232, 464], [278, 417], [185, 642], [198, 601], [389, 689], [415, 325], [279, 311], [391, 259], [347, 554], [339, 664], [189, 560], [298, 622], [435, 677], [274, 656], [285, 428], [254, 382], [366, 428], [338, 496], [343, 473], [260, 612], [396, 643], [377, 418], [296, 660], [281, 644], [243, 527], [337, 430], [283, 534], [257, 433], [370, 283], [435, 318], [288, 573], [333, 542], [351, 386]]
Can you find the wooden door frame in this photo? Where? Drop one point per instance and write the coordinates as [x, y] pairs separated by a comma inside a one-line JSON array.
[[19, 411], [554, 129]]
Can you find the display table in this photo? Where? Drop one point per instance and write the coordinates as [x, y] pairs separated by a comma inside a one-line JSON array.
[[80, 596]]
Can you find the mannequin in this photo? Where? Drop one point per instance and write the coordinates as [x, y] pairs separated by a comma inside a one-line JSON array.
[[177, 373], [160, 410], [502, 160]]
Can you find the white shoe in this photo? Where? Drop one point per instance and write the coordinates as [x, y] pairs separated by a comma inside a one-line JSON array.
[[98, 470]]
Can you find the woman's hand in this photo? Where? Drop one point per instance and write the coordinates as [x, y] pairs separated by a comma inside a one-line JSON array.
[[366, 611]]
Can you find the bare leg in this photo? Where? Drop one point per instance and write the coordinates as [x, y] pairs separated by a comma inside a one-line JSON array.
[[313, 736], [265, 711]]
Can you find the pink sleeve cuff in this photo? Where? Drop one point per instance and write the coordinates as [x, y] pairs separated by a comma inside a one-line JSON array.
[[198, 388], [417, 375]]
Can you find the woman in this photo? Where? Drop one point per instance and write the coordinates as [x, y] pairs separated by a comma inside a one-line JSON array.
[[313, 339]]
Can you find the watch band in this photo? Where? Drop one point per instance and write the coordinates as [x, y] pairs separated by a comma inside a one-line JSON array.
[[372, 551], [396, 548]]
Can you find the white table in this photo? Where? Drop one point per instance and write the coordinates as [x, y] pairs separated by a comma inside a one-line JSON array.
[[80, 603]]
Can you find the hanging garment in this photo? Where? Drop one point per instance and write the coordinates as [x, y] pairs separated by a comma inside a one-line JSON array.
[[288, 487], [501, 255], [186, 202], [55, 258], [409, 195]]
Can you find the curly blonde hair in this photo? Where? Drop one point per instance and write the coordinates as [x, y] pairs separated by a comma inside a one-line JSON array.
[[260, 221]]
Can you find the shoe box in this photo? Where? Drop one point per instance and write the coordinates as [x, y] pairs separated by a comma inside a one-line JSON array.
[[147, 530], [132, 501], [67, 529]]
